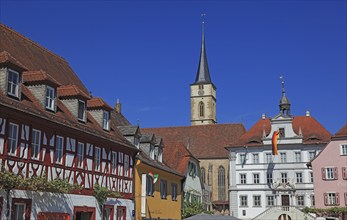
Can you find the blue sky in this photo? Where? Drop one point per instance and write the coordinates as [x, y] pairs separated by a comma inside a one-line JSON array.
[[146, 54]]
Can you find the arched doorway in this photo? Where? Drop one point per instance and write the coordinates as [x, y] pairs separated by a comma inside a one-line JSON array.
[[284, 217]]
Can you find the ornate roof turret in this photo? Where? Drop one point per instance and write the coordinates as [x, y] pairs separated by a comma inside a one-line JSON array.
[[284, 102], [203, 73]]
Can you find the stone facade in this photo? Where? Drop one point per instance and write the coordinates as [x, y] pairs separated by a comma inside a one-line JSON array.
[[205, 94]]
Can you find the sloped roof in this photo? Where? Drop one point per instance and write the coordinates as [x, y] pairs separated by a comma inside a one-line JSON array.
[[128, 130], [8, 59], [203, 141], [30, 77], [342, 133], [118, 119], [98, 102], [177, 156], [71, 91], [311, 129], [35, 57]]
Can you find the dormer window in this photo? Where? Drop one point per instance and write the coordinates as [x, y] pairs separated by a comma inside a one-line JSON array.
[[106, 120], [50, 98], [81, 110], [13, 83]]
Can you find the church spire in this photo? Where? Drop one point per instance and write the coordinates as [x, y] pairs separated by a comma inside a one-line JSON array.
[[203, 73], [284, 102]]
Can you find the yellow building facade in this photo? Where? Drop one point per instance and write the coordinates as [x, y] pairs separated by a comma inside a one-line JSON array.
[[161, 199]]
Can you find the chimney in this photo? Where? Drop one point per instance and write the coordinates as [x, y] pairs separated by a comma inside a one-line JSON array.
[[308, 113], [118, 107]]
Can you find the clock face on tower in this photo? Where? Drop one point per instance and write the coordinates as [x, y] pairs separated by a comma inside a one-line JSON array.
[[201, 92]]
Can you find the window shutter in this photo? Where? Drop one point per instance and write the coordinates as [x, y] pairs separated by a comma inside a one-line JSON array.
[[337, 199], [323, 174], [344, 173], [346, 198], [326, 199], [335, 173]]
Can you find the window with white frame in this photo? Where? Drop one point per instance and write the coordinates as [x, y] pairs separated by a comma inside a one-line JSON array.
[[284, 178], [106, 120], [329, 173], [298, 177], [13, 83], [344, 149], [19, 211], [311, 155], [269, 177], [149, 185], [243, 179], [114, 162], [35, 144], [256, 178], [126, 165], [242, 158], [312, 201], [12, 139], [268, 157], [270, 201], [151, 152], [97, 159], [80, 154], [255, 158], [300, 200], [331, 198], [50, 98], [283, 157], [256, 200], [297, 156], [59, 146], [243, 201], [81, 110]]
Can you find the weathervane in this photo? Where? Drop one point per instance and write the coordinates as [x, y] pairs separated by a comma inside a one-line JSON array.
[[203, 21], [282, 78]]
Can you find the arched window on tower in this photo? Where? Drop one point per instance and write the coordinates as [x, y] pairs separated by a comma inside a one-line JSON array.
[[221, 183], [209, 175], [203, 174], [201, 109]]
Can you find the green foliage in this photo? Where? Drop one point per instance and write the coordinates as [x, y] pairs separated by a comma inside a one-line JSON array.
[[102, 193], [333, 211], [10, 181], [193, 208]]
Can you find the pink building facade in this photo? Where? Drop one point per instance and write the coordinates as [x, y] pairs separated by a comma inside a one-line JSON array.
[[330, 172]]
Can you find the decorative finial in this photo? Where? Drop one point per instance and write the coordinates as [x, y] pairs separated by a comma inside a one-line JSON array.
[[203, 21], [282, 78]]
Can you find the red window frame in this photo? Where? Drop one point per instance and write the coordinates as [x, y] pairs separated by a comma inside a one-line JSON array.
[[112, 210], [84, 209], [27, 203], [124, 209]]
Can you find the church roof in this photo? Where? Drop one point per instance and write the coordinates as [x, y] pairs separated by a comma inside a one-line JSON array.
[[312, 131], [33, 56], [203, 73], [203, 141]]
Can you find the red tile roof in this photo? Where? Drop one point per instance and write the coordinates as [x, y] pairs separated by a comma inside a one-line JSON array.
[[31, 77], [311, 129], [204, 141], [34, 57], [176, 156], [8, 59], [342, 133], [71, 91], [98, 103]]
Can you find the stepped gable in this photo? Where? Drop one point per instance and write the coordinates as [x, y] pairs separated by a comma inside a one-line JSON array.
[[177, 156], [312, 131], [203, 141], [34, 57]]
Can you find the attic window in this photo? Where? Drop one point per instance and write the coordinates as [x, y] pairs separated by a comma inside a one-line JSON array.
[[81, 110], [106, 120], [13, 83], [50, 98], [281, 132]]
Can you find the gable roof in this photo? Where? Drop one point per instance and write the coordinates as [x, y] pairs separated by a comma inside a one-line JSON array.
[[7, 59], [341, 134], [96, 103], [35, 57], [177, 156], [32, 77], [203, 141], [312, 131]]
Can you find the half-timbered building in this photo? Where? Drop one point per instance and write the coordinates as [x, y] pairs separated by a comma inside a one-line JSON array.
[[50, 126]]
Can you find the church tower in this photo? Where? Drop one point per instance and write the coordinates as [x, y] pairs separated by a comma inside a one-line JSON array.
[[203, 91]]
